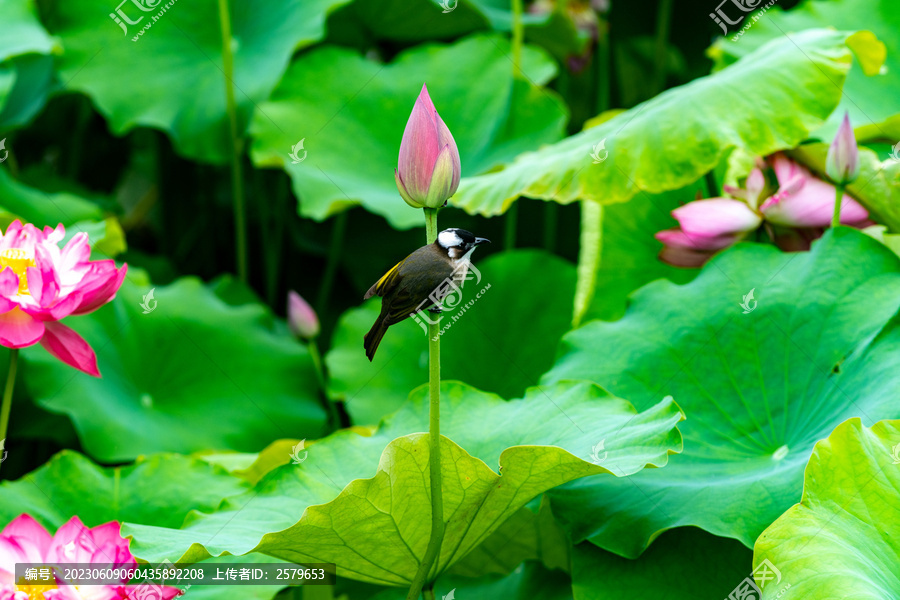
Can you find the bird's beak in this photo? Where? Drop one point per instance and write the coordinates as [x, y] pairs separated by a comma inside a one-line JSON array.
[[479, 241]]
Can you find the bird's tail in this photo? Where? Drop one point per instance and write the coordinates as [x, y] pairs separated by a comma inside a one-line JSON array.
[[373, 338]]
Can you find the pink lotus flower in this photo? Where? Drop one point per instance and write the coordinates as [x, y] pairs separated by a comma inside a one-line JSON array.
[[24, 540], [803, 200], [794, 215], [41, 283], [428, 169]]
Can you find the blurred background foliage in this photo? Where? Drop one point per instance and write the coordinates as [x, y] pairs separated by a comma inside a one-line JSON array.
[[133, 136]]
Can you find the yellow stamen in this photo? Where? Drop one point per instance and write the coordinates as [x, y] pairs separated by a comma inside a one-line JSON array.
[[35, 592], [18, 260]]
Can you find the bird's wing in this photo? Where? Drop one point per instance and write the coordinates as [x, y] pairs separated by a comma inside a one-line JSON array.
[[387, 282], [413, 293]]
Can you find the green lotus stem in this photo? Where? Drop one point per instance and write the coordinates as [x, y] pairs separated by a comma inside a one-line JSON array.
[[272, 223], [511, 223], [237, 177], [602, 70], [663, 20], [330, 408], [7, 398], [518, 37], [712, 188], [839, 195], [334, 259], [434, 438], [588, 258], [428, 593]]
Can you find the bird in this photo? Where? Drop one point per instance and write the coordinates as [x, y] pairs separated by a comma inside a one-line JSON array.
[[411, 281]]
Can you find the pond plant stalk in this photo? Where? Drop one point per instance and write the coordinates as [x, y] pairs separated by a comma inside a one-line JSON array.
[[842, 164], [590, 255], [237, 177], [434, 436], [427, 175], [6, 406], [518, 39], [304, 324]]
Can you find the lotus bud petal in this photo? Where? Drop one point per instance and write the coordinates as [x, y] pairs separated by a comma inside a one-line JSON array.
[[428, 168], [842, 162], [302, 318]]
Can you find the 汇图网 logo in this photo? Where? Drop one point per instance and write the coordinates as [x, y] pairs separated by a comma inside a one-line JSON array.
[[123, 20]]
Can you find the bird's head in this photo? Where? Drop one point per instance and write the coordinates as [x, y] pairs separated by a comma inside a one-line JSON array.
[[459, 242]]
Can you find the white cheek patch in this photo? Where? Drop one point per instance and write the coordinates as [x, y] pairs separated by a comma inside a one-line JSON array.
[[449, 239]]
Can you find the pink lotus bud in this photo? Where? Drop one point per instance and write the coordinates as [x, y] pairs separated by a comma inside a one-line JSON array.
[[428, 168], [842, 162], [302, 318]]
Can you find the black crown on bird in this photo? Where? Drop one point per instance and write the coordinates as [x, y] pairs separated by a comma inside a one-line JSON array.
[[413, 279]]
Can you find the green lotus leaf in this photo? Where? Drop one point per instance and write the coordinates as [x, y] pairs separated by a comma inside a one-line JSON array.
[[683, 564], [25, 84], [22, 30], [151, 491], [841, 540], [870, 97], [760, 383], [480, 348], [227, 592], [629, 253], [7, 83], [527, 535], [25, 77], [671, 140], [529, 582], [136, 74], [40, 208], [407, 20], [424, 20], [45, 209], [338, 509], [885, 131], [352, 120], [177, 364], [253, 466]]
